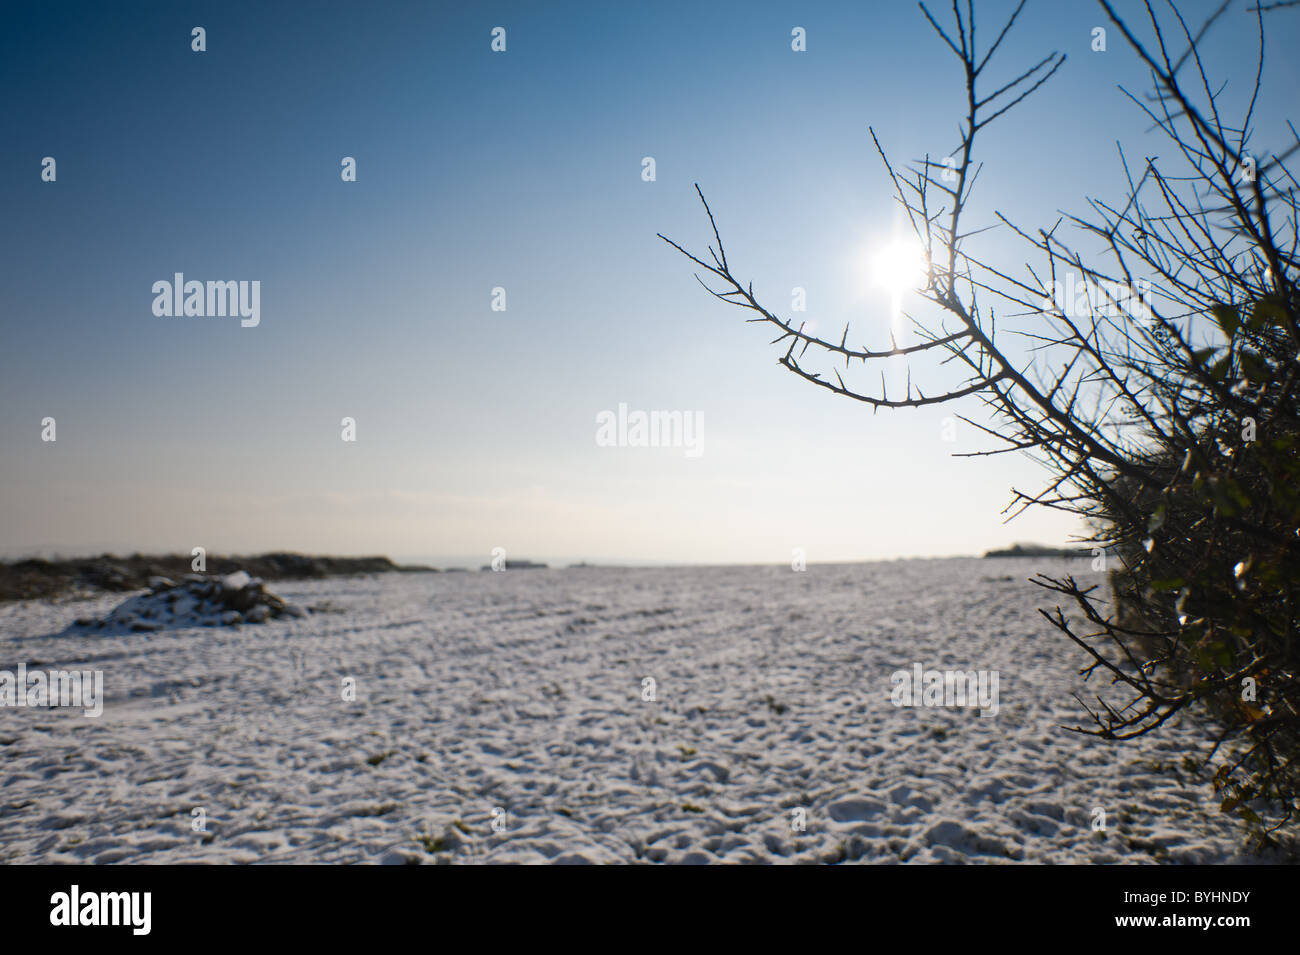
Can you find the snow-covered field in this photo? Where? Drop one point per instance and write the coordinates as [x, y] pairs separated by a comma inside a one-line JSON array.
[[523, 691]]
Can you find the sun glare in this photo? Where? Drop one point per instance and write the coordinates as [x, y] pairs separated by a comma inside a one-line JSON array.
[[899, 267]]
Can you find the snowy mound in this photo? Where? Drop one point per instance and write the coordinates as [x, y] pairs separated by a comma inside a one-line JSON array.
[[197, 601]]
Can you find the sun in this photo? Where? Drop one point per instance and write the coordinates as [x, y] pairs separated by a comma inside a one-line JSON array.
[[899, 266]]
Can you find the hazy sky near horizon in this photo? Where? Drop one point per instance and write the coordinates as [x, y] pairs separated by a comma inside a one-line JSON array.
[[476, 428]]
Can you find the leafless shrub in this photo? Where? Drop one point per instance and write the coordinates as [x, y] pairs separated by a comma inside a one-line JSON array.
[[1168, 419]]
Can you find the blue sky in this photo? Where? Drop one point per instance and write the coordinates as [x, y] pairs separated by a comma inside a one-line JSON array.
[[522, 169]]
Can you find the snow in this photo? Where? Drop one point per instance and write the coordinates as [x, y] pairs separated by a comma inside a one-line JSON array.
[[523, 692], [236, 581]]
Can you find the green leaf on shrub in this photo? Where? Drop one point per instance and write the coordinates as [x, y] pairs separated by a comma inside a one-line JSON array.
[[1168, 583], [1254, 367], [1235, 491], [1157, 519], [1227, 317], [1267, 311]]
